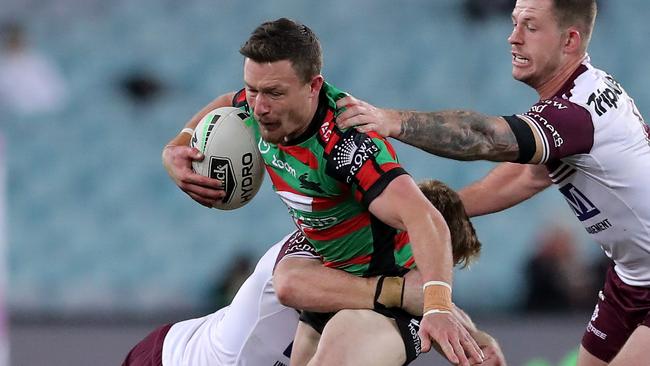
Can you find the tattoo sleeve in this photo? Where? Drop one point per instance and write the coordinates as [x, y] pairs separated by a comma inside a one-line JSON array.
[[459, 135]]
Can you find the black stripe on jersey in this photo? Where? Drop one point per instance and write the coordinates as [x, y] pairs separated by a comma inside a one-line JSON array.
[[562, 173], [383, 242], [565, 176], [524, 136], [380, 185], [239, 100], [555, 174]]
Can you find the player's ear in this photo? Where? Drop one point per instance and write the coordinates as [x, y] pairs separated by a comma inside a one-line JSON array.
[[573, 40], [316, 84]]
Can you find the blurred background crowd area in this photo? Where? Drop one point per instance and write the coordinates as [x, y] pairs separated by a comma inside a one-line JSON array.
[[90, 92]]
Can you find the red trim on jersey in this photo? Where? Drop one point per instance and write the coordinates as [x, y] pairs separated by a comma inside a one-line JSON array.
[[332, 142], [301, 154], [362, 259], [368, 174], [325, 203], [317, 203], [358, 195], [240, 97], [389, 147], [339, 230], [409, 262], [401, 239], [278, 182]]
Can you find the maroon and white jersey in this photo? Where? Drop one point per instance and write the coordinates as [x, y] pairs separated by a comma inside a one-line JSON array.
[[596, 146], [255, 330]]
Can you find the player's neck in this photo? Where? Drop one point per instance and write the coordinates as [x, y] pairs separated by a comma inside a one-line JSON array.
[[553, 85], [308, 127]]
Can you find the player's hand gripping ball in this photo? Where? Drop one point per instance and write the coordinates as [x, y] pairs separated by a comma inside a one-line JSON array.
[[231, 155]]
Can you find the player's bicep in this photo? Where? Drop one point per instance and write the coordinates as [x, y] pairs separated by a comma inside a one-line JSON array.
[[400, 197]]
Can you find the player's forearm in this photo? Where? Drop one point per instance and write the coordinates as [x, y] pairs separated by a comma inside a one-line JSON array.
[[182, 138], [430, 242], [307, 285], [505, 186], [460, 135]]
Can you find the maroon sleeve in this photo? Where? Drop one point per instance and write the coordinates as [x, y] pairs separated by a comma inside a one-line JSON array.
[[559, 129]]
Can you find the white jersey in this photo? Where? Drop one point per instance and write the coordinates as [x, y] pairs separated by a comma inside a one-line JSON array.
[[596, 147], [255, 330]]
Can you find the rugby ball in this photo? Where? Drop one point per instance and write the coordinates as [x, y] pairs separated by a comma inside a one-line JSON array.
[[231, 155]]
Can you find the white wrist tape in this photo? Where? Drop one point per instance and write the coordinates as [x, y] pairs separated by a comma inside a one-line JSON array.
[[187, 130], [436, 283], [436, 311]]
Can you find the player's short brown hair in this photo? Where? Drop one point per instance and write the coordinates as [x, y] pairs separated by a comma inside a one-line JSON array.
[[464, 242], [578, 13], [285, 39]]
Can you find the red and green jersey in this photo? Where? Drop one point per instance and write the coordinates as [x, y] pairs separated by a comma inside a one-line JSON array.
[[327, 178]]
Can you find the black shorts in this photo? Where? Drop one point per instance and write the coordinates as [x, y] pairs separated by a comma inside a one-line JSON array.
[[408, 326]]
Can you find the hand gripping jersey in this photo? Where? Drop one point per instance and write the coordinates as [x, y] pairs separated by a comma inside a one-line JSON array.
[[596, 147], [255, 330], [327, 178]]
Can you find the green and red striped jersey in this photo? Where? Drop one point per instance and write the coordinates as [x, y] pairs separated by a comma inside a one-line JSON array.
[[327, 178]]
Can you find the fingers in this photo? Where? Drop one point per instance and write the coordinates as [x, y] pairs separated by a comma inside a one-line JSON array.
[[426, 341], [455, 342], [448, 352], [206, 197], [354, 113], [469, 346]]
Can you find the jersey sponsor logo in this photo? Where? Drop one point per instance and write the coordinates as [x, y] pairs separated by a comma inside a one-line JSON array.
[[591, 328], [283, 165], [601, 226], [349, 155], [539, 108], [287, 351], [312, 222], [581, 205], [307, 184], [263, 146], [326, 130], [606, 99], [557, 138], [221, 169], [298, 243]]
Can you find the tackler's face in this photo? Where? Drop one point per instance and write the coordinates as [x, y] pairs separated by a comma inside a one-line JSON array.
[[280, 100], [536, 42]]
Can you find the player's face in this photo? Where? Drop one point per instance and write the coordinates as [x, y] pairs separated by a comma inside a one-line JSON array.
[[282, 103], [536, 42]]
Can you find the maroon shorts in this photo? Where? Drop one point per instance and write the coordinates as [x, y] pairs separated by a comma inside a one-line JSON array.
[[621, 308], [149, 351]]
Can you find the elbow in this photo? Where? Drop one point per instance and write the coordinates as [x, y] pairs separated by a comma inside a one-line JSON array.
[[283, 292], [286, 287]]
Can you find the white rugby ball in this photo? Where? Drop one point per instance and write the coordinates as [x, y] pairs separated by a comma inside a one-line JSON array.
[[231, 155]]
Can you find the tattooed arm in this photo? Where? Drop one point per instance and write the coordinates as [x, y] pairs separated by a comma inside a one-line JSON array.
[[460, 135]]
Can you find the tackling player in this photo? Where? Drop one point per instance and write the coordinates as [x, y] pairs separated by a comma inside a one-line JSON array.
[[255, 329], [585, 135]]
